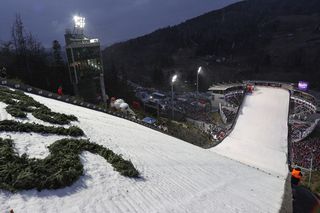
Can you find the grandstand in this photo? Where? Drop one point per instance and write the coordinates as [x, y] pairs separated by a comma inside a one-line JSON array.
[[304, 151], [302, 108]]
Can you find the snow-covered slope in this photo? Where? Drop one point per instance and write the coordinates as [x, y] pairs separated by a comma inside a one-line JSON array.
[[175, 176], [259, 138]]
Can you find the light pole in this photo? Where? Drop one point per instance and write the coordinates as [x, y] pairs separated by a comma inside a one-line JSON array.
[[199, 70], [174, 78]]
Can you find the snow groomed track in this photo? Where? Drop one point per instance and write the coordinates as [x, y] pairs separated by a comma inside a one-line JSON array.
[[175, 176], [260, 136]]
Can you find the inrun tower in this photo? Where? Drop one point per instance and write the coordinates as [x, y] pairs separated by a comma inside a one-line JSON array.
[[85, 63]]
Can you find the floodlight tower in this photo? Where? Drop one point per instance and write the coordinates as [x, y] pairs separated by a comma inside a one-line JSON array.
[[198, 72], [79, 24], [85, 62], [173, 80]]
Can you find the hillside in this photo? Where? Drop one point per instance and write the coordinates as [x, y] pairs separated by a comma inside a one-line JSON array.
[[254, 39], [174, 176]]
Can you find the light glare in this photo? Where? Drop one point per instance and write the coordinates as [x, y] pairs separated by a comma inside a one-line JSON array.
[[199, 70], [174, 78], [79, 22]]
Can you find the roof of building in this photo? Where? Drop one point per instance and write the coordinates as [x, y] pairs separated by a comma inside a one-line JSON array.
[[224, 86]]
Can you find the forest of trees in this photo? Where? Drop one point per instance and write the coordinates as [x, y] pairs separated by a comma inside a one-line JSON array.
[[26, 60]]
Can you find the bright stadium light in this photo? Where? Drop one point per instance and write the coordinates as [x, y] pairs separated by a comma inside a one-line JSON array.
[[199, 70], [174, 78], [94, 40], [79, 22]]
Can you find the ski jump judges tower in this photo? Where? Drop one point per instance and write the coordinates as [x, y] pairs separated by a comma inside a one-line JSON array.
[[85, 63]]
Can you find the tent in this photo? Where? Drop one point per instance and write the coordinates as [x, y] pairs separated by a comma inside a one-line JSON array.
[[149, 120]]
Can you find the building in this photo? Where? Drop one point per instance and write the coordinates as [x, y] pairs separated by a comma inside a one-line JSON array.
[[85, 63], [221, 93]]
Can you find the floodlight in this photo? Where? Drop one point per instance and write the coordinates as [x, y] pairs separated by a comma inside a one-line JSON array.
[[79, 22], [199, 70], [174, 78], [94, 40]]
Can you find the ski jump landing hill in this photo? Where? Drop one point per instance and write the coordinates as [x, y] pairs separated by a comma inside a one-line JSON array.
[[245, 173], [260, 136]]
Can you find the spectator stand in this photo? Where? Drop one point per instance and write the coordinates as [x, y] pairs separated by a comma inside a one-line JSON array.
[[304, 151], [302, 109]]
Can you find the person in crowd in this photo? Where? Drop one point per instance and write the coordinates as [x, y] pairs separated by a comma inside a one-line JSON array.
[[296, 176], [60, 90]]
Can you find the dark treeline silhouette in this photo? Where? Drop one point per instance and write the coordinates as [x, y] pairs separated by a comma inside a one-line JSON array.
[[26, 60], [253, 39], [116, 81]]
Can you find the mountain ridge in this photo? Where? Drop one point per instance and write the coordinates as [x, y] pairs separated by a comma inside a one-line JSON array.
[[265, 40]]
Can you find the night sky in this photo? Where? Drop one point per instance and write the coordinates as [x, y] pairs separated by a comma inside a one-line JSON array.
[[109, 20]]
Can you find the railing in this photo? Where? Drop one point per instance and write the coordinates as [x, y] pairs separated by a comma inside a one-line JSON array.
[[307, 132], [222, 115], [307, 103]]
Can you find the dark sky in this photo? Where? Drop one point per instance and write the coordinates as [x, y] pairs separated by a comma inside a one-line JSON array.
[[109, 20]]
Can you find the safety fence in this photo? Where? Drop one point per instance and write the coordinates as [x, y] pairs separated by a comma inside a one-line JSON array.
[[222, 115], [309, 105], [308, 131], [229, 130]]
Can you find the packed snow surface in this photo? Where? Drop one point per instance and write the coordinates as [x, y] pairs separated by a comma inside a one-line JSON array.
[[175, 176], [260, 136]]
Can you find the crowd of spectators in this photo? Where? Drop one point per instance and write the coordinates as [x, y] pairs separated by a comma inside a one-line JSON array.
[[303, 151], [300, 111], [300, 118], [298, 129], [197, 109], [194, 106]]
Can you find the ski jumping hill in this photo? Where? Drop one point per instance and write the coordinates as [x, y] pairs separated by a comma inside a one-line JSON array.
[[174, 176], [260, 136]]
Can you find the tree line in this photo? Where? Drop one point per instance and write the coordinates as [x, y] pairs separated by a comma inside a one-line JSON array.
[[26, 60]]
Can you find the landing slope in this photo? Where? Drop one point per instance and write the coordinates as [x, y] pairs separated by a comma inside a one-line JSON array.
[[175, 176], [259, 138]]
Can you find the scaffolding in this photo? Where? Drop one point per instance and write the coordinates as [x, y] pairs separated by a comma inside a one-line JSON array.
[[85, 63]]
